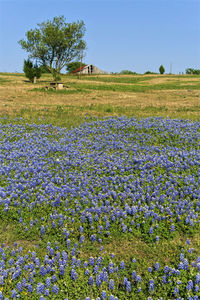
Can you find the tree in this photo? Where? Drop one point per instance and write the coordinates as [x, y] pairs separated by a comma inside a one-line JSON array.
[[149, 72], [55, 43], [127, 72], [31, 70], [192, 71], [162, 69], [74, 65]]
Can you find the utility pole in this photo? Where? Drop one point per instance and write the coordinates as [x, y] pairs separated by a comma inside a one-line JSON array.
[[81, 63], [170, 68]]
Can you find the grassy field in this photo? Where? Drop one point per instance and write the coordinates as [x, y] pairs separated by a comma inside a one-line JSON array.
[[145, 168], [174, 96]]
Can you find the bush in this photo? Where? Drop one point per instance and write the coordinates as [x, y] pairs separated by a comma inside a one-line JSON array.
[[127, 72], [192, 71], [31, 70], [149, 72]]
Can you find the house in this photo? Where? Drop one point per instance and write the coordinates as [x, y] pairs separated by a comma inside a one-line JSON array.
[[88, 69]]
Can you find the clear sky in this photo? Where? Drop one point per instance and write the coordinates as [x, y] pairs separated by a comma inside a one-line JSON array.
[[137, 35]]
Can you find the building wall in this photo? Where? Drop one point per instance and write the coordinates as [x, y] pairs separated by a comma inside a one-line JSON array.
[[91, 69]]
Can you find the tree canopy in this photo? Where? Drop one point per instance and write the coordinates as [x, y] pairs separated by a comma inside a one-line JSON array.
[[162, 69], [54, 44], [127, 72], [74, 65], [192, 71]]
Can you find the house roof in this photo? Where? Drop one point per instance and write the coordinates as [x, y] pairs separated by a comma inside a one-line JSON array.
[[79, 69]]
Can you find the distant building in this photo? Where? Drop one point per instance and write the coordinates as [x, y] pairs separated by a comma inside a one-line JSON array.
[[88, 70]]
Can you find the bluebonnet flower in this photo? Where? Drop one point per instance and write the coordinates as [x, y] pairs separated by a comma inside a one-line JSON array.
[[111, 284], [90, 280], [196, 288], [122, 265], [128, 286], [47, 292], [188, 242], [91, 261], [172, 229], [125, 280], [87, 272], [42, 231], [164, 279], [61, 270], [55, 289], [29, 288], [157, 238], [19, 287], [103, 295], [151, 285], [190, 285], [74, 274], [54, 278], [14, 294], [151, 230], [134, 275], [98, 280], [40, 288], [42, 271], [157, 266], [176, 291], [48, 282]]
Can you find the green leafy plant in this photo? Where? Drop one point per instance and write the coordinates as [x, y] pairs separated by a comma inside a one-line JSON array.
[[162, 69], [73, 66], [31, 70]]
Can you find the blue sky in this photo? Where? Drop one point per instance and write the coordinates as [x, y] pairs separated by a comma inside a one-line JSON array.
[[138, 35]]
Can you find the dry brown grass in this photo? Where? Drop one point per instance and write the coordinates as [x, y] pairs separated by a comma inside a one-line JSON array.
[[16, 94]]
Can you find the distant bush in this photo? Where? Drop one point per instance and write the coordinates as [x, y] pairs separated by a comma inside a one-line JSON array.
[[192, 71], [127, 72], [31, 70], [162, 69], [149, 72]]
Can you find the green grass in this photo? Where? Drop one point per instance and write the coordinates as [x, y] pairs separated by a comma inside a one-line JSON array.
[[116, 79], [64, 91], [71, 116], [3, 80], [11, 74], [135, 88]]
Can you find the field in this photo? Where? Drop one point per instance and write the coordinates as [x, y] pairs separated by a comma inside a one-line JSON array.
[[100, 96], [100, 188]]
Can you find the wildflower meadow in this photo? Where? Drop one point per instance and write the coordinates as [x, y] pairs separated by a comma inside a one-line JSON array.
[[107, 210]]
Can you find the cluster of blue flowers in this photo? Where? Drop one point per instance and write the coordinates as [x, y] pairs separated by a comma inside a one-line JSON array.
[[24, 275], [117, 176]]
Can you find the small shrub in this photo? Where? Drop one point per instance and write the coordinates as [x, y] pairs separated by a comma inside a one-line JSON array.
[[31, 70]]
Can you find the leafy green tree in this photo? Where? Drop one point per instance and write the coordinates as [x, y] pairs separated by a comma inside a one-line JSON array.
[[31, 70], [127, 72], [55, 43], [162, 69], [192, 71], [73, 66]]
